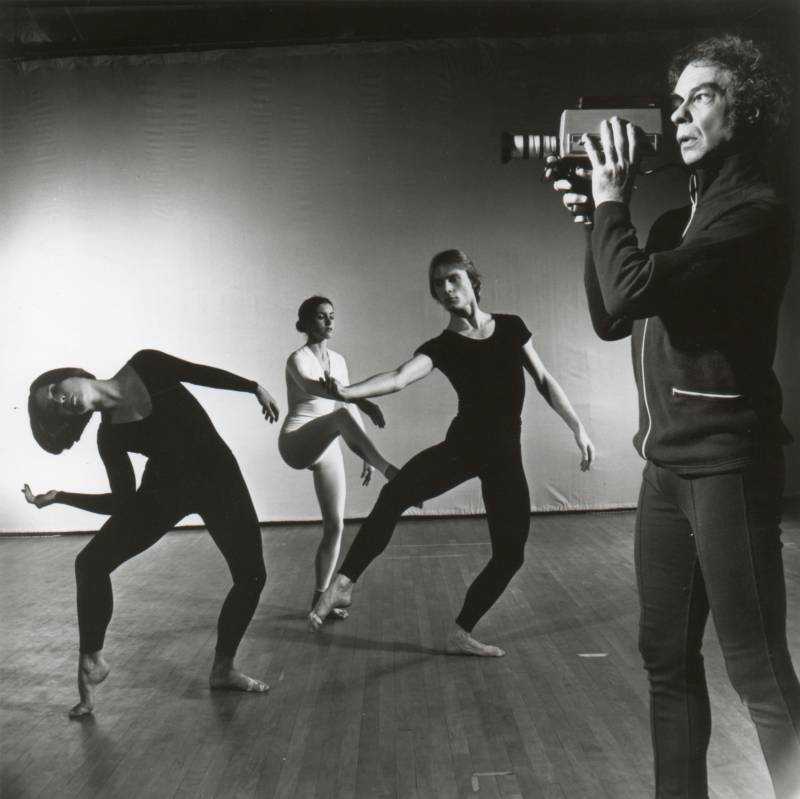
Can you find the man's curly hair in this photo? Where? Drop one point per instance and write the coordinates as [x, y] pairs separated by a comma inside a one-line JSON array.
[[759, 93]]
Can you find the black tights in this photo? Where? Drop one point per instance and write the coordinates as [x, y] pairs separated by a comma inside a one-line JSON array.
[[223, 502], [713, 543], [430, 473]]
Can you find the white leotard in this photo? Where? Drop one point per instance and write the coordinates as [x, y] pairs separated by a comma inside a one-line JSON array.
[[302, 406]]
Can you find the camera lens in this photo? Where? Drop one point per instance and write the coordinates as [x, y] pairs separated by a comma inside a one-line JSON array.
[[527, 146]]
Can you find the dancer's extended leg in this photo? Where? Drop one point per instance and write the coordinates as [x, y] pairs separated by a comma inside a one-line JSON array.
[[428, 474], [301, 447]]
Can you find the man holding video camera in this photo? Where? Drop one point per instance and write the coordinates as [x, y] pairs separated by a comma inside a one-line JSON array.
[[700, 302]]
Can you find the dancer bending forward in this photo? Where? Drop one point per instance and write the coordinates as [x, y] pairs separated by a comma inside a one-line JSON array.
[[483, 355], [190, 469], [309, 438]]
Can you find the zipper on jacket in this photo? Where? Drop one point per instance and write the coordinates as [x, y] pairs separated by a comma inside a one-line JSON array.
[[644, 392], [680, 392], [693, 198]]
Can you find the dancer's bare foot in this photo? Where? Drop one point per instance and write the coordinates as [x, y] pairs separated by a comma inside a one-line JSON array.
[[337, 595], [337, 613], [224, 677], [460, 642], [92, 670]]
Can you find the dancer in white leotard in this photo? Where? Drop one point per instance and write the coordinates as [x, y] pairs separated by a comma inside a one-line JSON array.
[[309, 438]]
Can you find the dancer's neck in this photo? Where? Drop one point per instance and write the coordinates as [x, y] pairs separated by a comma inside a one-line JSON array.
[[320, 351], [319, 348], [106, 394], [472, 319]]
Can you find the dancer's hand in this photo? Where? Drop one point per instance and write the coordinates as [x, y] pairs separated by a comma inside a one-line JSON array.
[[40, 500], [366, 474], [332, 387], [586, 447], [373, 411], [268, 405]]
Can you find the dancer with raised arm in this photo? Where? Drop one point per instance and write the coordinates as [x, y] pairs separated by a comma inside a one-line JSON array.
[[309, 438], [190, 469], [484, 356]]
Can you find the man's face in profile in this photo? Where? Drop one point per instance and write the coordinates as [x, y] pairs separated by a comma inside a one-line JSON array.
[[701, 111]]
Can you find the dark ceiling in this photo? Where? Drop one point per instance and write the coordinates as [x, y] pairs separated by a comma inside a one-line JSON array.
[[38, 29]]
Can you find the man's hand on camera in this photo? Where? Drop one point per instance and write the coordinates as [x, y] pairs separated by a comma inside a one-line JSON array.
[[615, 165], [574, 188]]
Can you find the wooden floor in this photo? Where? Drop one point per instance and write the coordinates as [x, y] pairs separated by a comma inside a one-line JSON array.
[[371, 708]]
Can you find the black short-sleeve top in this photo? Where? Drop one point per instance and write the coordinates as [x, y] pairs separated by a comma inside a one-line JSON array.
[[487, 374]]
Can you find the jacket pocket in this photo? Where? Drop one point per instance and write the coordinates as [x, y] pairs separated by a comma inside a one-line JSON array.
[[682, 393]]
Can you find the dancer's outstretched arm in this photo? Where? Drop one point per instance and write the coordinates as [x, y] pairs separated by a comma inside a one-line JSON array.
[[557, 399], [121, 479], [372, 410], [374, 413], [416, 368], [202, 375], [311, 384], [300, 373]]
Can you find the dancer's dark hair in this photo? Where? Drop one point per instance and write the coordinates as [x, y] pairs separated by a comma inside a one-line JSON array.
[[55, 433], [306, 311]]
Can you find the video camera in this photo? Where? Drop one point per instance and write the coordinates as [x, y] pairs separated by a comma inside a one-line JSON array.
[[645, 113]]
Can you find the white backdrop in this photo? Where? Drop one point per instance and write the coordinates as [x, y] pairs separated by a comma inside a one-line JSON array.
[[189, 203]]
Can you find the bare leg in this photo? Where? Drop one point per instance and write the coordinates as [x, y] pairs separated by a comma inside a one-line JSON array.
[[302, 447], [226, 677], [331, 488], [337, 595], [92, 670], [360, 443], [460, 642]]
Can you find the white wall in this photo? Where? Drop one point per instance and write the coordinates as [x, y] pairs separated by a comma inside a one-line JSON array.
[[190, 203]]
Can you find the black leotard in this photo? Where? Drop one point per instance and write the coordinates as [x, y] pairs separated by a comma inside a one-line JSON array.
[[487, 375], [483, 441], [177, 436], [190, 469]]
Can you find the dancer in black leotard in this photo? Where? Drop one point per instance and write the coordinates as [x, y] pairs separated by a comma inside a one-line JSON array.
[[483, 355], [190, 469]]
